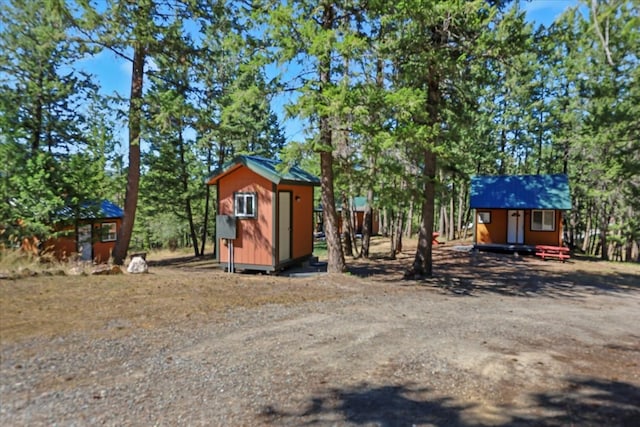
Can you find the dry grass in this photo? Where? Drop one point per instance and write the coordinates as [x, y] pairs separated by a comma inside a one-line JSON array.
[[14, 261], [57, 305], [185, 289]]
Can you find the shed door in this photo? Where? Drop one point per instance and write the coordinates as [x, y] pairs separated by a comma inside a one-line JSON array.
[[284, 225], [515, 227], [84, 242]]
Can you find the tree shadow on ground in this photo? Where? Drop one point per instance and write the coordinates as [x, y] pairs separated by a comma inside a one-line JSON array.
[[204, 262], [391, 405], [473, 273], [587, 402], [583, 402]]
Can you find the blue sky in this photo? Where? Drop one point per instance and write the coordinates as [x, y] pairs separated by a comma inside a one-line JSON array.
[[114, 73], [545, 11]]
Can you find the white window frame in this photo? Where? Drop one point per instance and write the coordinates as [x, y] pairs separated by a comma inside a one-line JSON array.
[[108, 232], [245, 205], [547, 220], [484, 217]]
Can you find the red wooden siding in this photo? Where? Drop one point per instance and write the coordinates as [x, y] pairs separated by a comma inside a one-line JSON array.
[[253, 244], [65, 246], [551, 238], [496, 231]]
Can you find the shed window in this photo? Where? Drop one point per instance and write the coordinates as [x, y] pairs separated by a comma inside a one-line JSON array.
[[543, 220], [484, 217], [108, 232], [245, 205]]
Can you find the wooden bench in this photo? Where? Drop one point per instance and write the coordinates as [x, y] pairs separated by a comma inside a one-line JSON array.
[[558, 252]]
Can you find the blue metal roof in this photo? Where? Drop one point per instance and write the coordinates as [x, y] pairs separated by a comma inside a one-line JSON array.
[[94, 210], [520, 192], [110, 210]]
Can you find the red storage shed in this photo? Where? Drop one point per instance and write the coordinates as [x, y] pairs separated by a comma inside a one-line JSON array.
[[270, 210]]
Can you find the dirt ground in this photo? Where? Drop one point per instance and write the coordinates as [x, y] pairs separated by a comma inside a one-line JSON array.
[[492, 339]]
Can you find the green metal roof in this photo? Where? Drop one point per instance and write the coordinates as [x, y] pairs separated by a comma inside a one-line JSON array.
[[269, 169], [358, 203], [520, 192]]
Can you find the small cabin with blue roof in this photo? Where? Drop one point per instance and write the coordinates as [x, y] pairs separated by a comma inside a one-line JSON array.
[[264, 214], [522, 210], [89, 231]]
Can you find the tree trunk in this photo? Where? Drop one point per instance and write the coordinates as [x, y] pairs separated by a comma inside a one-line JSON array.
[[37, 119], [467, 220], [367, 225], [384, 223], [352, 230], [335, 256], [346, 226], [423, 262], [133, 175], [604, 226], [367, 220], [462, 198], [452, 223], [396, 234], [185, 190], [408, 227], [503, 146], [594, 244], [587, 233], [206, 205], [445, 220]]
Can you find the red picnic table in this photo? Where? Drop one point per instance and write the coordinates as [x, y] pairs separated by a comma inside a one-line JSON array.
[[434, 239], [559, 252]]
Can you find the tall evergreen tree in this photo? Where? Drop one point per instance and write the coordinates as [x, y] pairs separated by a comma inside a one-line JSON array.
[[319, 35], [43, 116], [431, 44]]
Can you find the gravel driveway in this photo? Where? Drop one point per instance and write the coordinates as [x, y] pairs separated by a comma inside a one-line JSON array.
[[382, 354]]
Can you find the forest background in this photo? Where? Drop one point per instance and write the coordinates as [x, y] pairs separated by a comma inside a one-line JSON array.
[[401, 102]]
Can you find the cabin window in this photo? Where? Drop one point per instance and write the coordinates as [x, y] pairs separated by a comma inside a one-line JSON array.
[[484, 217], [108, 232], [543, 220], [245, 205]]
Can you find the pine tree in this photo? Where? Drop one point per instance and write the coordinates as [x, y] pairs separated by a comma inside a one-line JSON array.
[[47, 146]]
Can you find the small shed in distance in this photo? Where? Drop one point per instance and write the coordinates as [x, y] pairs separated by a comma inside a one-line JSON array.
[[358, 205], [523, 210], [90, 232], [272, 210]]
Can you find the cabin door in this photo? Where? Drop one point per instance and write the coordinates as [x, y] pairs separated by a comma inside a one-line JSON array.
[[84, 242], [284, 225], [515, 227]]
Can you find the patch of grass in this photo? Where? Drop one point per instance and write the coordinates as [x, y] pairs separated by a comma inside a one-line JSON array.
[[15, 264], [52, 306], [320, 248], [11, 259]]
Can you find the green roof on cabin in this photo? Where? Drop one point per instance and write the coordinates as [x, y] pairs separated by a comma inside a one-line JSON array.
[[520, 192], [267, 168]]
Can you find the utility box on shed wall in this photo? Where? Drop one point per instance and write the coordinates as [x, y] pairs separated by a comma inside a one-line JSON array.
[[226, 227]]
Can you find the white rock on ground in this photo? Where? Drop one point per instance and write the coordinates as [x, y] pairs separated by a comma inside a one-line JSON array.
[[138, 265]]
